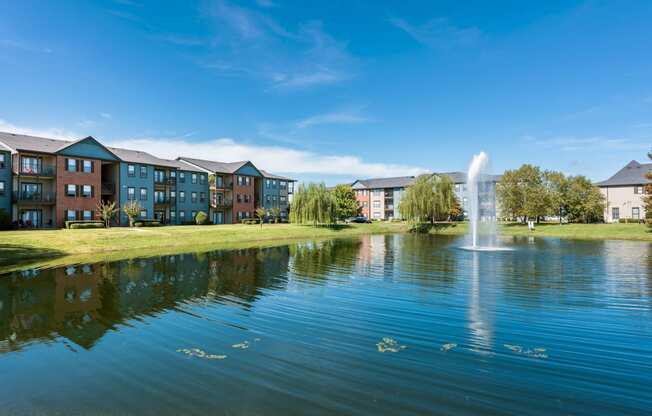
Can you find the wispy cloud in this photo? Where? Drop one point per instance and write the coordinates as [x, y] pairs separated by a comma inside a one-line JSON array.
[[274, 158], [52, 133], [266, 3], [439, 33], [106, 116], [332, 118], [250, 43], [182, 40], [23, 46], [585, 144]]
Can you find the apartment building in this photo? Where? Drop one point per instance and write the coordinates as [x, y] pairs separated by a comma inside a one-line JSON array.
[[276, 192], [380, 197], [5, 179], [624, 192]]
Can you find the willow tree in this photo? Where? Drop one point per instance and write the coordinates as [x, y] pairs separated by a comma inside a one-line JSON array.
[[313, 203], [430, 198]]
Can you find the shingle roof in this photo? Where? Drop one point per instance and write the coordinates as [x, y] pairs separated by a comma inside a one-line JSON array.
[[212, 166], [272, 176], [32, 143], [397, 182], [632, 174], [136, 156]]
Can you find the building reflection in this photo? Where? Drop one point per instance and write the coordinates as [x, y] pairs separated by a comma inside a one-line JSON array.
[[83, 302]]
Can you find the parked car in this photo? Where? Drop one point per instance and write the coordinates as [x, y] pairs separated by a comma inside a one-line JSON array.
[[358, 220]]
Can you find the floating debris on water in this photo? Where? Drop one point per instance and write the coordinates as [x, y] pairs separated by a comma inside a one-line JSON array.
[[528, 352], [389, 345], [196, 352], [447, 347], [243, 345]]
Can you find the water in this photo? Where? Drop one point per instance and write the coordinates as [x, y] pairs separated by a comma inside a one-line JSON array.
[[482, 205], [391, 325]]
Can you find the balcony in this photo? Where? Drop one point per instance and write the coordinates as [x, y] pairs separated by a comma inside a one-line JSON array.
[[222, 185], [108, 188], [34, 197], [161, 201], [223, 203], [37, 171]]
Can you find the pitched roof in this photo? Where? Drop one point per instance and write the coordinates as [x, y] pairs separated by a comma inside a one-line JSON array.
[[632, 174], [272, 176], [136, 156], [375, 183], [212, 166], [32, 143]]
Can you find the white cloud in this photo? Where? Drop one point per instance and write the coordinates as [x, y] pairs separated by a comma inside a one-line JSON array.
[[332, 118], [51, 133], [586, 144], [106, 116], [439, 33], [273, 158]]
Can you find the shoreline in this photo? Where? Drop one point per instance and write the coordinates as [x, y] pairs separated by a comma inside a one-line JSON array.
[[28, 249]]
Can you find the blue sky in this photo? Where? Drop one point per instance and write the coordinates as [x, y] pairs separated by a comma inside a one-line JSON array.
[[337, 90]]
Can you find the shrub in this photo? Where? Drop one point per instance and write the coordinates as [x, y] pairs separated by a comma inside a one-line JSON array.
[[79, 224], [249, 221], [147, 223], [201, 218], [5, 219]]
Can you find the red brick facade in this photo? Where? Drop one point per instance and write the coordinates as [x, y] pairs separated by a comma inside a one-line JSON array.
[[363, 196], [246, 189], [79, 178]]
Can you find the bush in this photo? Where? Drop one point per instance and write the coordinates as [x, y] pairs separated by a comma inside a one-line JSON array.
[[201, 218], [250, 221], [5, 219], [80, 224], [147, 223], [629, 221]]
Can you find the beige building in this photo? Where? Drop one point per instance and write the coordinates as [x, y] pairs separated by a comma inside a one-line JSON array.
[[624, 192]]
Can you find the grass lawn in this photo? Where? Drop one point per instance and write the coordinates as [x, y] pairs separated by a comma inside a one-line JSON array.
[[49, 248]]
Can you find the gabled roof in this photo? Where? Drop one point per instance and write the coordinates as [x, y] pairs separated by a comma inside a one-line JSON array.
[[375, 183], [184, 166], [17, 142], [86, 139], [272, 176], [213, 166], [632, 174], [136, 156]]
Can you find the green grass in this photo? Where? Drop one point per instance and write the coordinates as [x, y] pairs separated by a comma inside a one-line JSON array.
[[49, 248]]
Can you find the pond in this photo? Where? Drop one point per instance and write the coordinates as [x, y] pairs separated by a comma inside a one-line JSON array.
[[385, 324]]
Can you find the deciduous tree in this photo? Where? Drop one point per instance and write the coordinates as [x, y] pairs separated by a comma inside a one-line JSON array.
[[347, 205], [313, 203], [107, 210], [132, 210]]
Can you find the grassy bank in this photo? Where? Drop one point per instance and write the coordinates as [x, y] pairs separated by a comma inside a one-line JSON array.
[[48, 248]]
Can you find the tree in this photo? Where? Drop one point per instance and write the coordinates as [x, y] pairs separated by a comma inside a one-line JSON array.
[[429, 198], [276, 213], [347, 204], [522, 193], [106, 211], [585, 202], [313, 203], [261, 213], [201, 218], [557, 187], [132, 210]]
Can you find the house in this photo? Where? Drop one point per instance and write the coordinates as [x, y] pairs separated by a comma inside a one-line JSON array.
[[276, 193], [624, 192], [235, 188]]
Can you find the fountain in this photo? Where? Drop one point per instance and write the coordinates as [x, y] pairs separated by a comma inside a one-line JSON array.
[[482, 206]]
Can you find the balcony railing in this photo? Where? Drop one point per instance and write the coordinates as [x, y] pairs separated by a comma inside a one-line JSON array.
[[108, 188], [37, 170], [223, 203], [35, 197], [222, 185], [161, 201]]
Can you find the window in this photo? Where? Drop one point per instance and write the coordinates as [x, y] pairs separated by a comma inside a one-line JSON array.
[[182, 215], [282, 199], [159, 197], [193, 178], [202, 179], [2, 187], [274, 183], [71, 215], [193, 197], [268, 183], [143, 171], [87, 166], [173, 214], [87, 215], [71, 165], [248, 180], [143, 213], [2, 160], [131, 170], [282, 184], [173, 194], [638, 189], [238, 198], [182, 197], [239, 215], [219, 181], [131, 193], [239, 179], [71, 190], [376, 214], [193, 214], [268, 198], [636, 213], [143, 194], [246, 198], [87, 191], [378, 192], [30, 165], [376, 204], [202, 196], [159, 176], [365, 204], [173, 174], [182, 179], [274, 198], [615, 213]]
